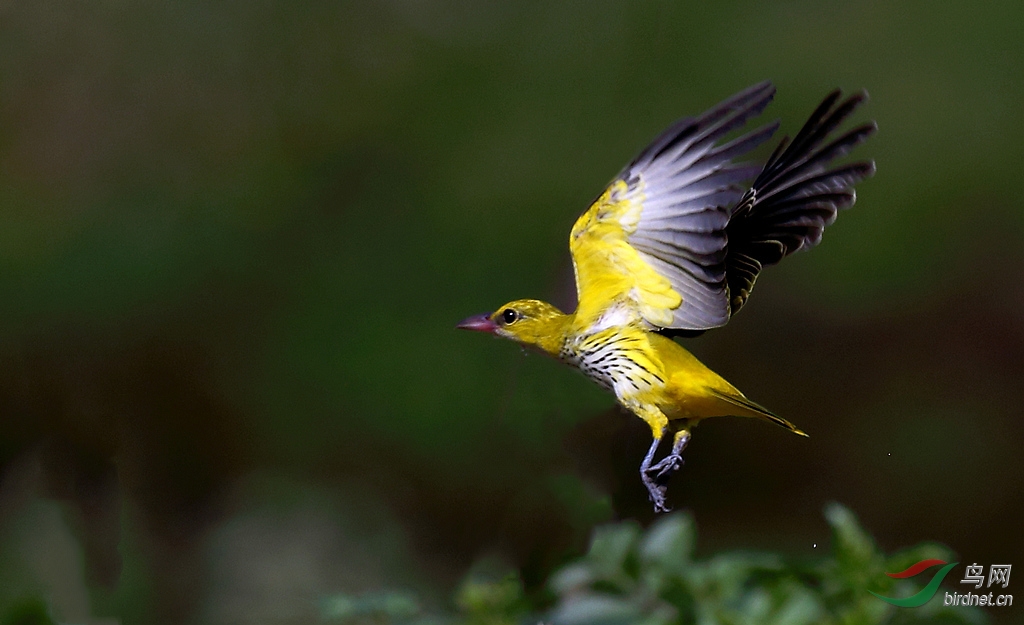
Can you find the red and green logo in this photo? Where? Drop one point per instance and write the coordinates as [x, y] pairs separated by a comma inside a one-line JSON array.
[[925, 594]]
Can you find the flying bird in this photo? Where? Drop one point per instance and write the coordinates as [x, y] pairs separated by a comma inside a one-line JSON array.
[[672, 248]]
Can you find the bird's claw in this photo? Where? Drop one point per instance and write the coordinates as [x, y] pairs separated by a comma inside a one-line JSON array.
[[657, 495], [664, 469]]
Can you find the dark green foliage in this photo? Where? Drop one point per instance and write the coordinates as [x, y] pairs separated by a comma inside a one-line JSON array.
[[380, 607], [634, 577], [27, 611]]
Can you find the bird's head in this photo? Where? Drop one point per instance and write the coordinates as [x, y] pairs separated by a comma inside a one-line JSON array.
[[526, 321]]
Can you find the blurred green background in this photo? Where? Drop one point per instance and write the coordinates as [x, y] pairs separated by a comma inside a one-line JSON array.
[[235, 238]]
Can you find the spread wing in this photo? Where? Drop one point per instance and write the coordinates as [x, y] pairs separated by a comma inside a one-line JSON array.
[[796, 196], [656, 238]]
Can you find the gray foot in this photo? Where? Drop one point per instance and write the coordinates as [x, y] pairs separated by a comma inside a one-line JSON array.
[[664, 469], [656, 493]]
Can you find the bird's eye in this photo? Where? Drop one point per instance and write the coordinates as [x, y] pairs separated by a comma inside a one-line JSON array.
[[509, 316]]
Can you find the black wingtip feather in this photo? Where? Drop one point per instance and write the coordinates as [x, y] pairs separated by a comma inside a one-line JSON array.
[[796, 195]]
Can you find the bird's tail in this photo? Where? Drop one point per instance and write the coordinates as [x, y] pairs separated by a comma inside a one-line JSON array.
[[795, 196], [751, 409]]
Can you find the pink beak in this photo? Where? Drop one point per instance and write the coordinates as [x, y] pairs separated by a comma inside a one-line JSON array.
[[479, 323]]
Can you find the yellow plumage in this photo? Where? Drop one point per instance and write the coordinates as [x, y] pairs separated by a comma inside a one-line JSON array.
[[673, 245]]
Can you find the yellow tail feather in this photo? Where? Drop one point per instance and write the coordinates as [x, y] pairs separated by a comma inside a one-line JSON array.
[[756, 410]]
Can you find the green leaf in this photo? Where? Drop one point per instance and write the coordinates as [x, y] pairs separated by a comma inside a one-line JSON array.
[[386, 605], [609, 549], [592, 609], [857, 557], [572, 577], [483, 597], [801, 607], [669, 542]]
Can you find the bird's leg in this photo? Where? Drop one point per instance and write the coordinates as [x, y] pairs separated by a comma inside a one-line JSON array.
[[654, 490], [658, 423], [673, 461]]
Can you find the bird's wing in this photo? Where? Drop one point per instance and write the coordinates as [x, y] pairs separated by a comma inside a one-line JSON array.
[[796, 195], [655, 238]]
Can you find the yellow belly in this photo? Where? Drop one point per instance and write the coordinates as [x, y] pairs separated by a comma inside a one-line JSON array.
[[652, 374], [692, 391]]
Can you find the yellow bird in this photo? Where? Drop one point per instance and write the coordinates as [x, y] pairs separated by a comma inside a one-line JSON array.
[[672, 248]]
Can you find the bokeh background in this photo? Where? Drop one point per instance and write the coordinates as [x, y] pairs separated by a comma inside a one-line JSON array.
[[235, 238]]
